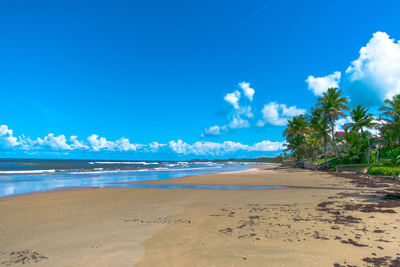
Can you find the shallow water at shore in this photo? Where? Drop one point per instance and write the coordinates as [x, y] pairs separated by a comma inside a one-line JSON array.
[[195, 186], [61, 178]]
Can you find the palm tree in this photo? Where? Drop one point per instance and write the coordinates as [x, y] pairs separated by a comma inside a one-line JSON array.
[[392, 118], [320, 127], [361, 119], [296, 133], [296, 145], [333, 105]]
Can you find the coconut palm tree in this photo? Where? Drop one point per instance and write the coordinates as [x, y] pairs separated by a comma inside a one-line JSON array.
[[361, 119], [295, 134], [298, 125], [391, 116], [333, 106], [320, 128]]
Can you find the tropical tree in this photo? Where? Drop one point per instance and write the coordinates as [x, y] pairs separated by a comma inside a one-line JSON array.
[[361, 119], [295, 134], [391, 118], [333, 106], [320, 127]]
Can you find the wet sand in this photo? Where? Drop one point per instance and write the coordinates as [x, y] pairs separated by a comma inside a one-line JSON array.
[[321, 221]]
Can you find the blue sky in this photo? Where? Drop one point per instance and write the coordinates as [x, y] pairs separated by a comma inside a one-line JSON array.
[[160, 71]]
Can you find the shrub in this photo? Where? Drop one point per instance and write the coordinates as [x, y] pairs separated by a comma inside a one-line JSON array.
[[333, 163], [384, 170]]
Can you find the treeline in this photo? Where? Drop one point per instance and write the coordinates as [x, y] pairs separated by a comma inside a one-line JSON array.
[[365, 139], [277, 159]]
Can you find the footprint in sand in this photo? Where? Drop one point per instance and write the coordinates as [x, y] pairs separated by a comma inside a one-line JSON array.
[[23, 257]]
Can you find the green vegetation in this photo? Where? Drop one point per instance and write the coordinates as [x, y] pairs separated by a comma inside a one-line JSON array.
[[366, 139], [383, 169], [277, 159], [322, 160]]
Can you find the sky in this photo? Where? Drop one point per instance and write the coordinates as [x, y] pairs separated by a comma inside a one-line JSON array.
[[183, 79]]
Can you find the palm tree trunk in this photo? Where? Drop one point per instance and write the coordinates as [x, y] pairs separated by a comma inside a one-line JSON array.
[[325, 149], [334, 137], [369, 145]]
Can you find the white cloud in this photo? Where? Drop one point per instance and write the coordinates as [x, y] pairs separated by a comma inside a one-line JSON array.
[[278, 114], [319, 85], [155, 146], [6, 137], [123, 144], [247, 90], [238, 117], [375, 75], [76, 144], [5, 131], [95, 143], [213, 130], [245, 111], [179, 147], [211, 148], [238, 123], [268, 146], [54, 142], [233, 99], [341, 122]]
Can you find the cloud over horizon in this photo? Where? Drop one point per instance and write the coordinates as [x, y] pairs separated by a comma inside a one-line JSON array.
[[96, 143]]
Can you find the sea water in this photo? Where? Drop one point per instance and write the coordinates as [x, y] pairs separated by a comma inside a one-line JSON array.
[[21, 176]]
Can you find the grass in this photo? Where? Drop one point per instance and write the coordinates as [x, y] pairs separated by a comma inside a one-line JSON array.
[[384, 169], [321, 160]]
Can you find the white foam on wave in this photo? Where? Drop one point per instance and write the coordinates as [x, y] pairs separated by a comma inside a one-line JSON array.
[[27, 171], [125, 162], [109, 171]]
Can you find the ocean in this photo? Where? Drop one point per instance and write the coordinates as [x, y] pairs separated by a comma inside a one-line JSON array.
[[21, 176]]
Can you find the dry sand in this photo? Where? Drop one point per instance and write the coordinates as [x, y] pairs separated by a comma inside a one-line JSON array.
[[321, 221]]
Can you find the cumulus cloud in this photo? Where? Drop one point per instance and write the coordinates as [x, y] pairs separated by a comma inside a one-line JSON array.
[[247, 90], [319, 85], [76, 144], [6, 137], [268, 146], [278, 114], [155, 146], [214, 130], [96, 143], [375, 75], [245, 111], [239, 116], [54, 142], [211, 148], [238, 123], [233, 99]]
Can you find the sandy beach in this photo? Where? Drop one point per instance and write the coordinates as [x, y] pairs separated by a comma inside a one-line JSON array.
[[320, 220]]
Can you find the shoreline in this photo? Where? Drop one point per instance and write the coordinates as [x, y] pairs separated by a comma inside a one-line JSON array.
[[319, 220], [178, 174]]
